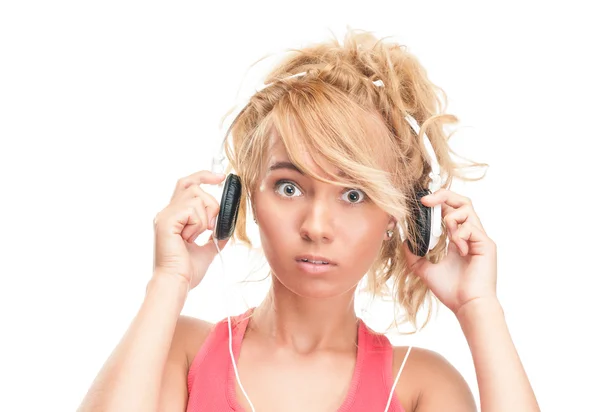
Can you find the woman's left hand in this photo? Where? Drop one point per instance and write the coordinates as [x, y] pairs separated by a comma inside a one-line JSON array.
[[469, 270]]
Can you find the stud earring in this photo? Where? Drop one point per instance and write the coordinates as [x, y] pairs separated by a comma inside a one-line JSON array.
[[390, 233]]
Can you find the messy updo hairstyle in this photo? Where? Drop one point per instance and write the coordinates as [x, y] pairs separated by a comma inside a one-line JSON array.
[[336, 111]]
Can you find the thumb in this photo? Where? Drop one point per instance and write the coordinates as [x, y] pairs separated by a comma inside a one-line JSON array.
[[415, 263], [203, 255], [210, 244], [212, 178], [208, 250], [410, 257]]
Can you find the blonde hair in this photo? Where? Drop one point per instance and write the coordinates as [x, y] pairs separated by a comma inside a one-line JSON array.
[[336, 111]]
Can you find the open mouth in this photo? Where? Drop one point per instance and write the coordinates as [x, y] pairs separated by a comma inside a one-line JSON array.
[[315, 262]]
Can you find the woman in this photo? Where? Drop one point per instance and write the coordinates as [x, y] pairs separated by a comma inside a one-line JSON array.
[[332, 170]]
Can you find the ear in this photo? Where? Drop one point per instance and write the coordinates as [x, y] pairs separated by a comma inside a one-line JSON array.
[[391, 225]]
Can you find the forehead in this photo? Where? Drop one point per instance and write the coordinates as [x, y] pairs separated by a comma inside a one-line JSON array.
[[277, 158], [276, 146]]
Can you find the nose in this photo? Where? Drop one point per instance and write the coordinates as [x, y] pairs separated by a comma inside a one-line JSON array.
[[317, 224]]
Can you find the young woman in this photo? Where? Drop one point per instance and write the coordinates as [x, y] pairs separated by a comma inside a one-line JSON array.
[[332, 169]]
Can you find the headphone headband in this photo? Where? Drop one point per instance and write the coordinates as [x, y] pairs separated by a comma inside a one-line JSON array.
[[436, 180]]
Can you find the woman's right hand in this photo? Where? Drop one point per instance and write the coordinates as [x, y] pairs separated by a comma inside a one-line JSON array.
[[176, 227]]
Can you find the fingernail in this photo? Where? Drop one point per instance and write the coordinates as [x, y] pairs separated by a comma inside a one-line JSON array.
[[212, 223]]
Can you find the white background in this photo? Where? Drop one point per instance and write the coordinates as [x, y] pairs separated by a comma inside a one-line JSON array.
[[104, 105]]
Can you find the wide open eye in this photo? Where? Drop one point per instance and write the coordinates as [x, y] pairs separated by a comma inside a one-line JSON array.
[[355, 195], [289, 188]]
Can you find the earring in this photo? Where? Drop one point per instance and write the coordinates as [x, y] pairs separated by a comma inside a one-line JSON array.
[[390, 233]]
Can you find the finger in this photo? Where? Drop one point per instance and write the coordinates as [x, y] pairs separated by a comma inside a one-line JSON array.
[[212, 209], [461, 238], [455, 201], [455, 218], [177, 219], [210, 203], [221, 243], [198, 222], [459, 216], [448, 197], [471, 240], [431, 201], [418, 265], [412, 260], [198, 178], [447, 209], [208, 249]]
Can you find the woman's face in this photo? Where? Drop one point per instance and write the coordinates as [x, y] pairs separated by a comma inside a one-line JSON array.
[[300, 216]]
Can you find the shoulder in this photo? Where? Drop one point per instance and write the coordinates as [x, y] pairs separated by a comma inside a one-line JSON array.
[[190, 334], [429, 382]]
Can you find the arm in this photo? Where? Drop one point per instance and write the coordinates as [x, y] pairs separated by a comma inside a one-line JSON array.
[[190, 335], [130, 379], [431, 383], [464, 280], [501, 378], [502, 382], [147, 370]]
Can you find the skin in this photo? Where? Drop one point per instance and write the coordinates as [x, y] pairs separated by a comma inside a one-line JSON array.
[[305, 216], [307, 322], [302, 338]]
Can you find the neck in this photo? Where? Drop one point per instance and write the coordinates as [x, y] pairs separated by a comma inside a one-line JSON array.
[[306, 324]]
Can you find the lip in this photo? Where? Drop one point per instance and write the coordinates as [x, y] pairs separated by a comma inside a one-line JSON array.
[[316, 258], [314, 268]]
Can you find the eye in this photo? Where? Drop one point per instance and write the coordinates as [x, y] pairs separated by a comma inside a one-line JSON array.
[[289, 188], [354, 195]]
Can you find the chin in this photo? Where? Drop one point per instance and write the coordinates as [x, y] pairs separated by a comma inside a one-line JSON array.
[[313, 287]]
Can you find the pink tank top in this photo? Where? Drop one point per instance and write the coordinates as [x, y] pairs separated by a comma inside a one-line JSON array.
[[212, 382]]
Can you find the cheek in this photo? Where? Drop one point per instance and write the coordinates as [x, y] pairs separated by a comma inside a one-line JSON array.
[[362, 241], [277, 247], [274, 228], [275, 225], [356, 243]]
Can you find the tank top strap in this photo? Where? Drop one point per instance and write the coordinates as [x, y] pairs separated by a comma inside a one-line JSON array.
[[217, 339], [377, 372]]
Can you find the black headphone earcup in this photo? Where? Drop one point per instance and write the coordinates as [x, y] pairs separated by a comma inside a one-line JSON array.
[[421, 216], [228, 210]]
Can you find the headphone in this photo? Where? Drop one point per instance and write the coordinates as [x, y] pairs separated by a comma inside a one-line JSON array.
[[230, 204], [428, 220]]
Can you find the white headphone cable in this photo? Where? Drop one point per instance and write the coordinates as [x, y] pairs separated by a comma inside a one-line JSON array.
[[389, 402], [435, 168], [237, 375]]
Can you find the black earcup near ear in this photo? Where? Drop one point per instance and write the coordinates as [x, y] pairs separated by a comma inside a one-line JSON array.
[[421, 215], [228, 210]]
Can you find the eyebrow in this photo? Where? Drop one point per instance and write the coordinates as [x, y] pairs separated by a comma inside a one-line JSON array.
[[291, 166], [285, 165]]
